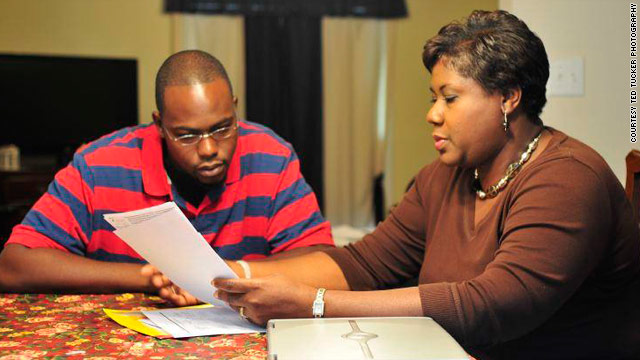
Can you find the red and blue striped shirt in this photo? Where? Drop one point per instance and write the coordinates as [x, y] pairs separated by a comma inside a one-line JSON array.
[[264, 206]]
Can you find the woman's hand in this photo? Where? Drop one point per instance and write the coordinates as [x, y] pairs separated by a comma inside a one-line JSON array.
[[166, 289], [271, 297]]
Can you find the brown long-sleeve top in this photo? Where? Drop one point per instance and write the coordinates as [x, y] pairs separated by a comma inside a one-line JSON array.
[[549, 272]]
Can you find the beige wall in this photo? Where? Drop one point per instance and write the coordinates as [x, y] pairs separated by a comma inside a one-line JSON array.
[[597, 31], [103, 28], [411, 145]]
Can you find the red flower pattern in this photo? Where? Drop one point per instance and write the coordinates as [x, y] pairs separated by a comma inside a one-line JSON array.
[[75, 327]]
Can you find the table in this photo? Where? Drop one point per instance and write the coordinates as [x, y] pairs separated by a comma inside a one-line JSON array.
[[75, 327]]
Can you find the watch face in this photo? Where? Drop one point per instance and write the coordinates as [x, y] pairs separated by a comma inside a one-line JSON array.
[[318, 303], [318, 309]]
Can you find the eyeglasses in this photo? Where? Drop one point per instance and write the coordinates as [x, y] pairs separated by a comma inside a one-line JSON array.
[[192, 139]]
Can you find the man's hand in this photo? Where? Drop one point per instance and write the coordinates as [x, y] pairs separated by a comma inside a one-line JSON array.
[[270, 297], [166, 289]]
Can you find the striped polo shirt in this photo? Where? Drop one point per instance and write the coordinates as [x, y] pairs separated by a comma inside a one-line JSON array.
[[264, 206]]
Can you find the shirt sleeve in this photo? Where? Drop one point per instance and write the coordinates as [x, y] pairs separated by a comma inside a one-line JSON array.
[[555, 231], [295, 220], [62, 217]]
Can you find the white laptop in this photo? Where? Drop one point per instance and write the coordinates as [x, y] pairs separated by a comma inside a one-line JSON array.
[[389, 338]]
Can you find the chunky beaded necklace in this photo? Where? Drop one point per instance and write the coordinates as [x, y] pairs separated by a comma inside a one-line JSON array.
[[512, 170]]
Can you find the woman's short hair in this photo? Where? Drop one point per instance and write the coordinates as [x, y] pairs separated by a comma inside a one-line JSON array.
[[498, 51]]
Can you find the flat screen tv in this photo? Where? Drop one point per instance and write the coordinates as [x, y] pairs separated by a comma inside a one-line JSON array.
[[50, 105]]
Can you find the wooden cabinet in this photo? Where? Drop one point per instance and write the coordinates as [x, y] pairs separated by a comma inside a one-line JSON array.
[[19, 190]]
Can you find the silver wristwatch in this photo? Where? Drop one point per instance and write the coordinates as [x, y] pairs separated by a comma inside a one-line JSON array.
[[318, 303]]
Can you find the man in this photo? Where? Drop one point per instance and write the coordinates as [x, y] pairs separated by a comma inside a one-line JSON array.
[[237, 182]]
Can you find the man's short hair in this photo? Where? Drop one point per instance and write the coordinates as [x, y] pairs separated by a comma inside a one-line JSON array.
[[188, 67]]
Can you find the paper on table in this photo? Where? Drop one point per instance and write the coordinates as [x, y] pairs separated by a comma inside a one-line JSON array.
[[164, 237], [202, 321], [136, 320]]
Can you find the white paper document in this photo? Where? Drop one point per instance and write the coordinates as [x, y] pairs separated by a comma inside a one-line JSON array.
[[164, 237], [188, 322]]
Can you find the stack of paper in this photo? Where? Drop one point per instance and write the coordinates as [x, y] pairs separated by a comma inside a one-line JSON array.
[[201, 320], [164, 237]]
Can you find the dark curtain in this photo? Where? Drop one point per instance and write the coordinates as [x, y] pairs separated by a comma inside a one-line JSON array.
[[357, 8], [284, 85]]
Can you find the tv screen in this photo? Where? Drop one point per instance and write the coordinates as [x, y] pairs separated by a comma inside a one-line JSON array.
[[50, 105]]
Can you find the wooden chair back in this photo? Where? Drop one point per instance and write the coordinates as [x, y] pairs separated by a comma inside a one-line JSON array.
[[632, 186]]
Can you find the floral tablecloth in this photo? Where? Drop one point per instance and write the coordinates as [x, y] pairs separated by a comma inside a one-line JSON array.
[[75, 327]]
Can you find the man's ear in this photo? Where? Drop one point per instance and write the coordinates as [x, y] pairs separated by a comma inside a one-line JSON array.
[[511, 99], [157, 122], [235, 101]]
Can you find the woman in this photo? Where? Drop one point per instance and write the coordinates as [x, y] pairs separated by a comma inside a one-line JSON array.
[[521, 237]]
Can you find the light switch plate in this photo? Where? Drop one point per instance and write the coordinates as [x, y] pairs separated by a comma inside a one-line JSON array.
[[566, 77]]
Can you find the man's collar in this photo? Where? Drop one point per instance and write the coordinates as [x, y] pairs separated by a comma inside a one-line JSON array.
[[154, 176]]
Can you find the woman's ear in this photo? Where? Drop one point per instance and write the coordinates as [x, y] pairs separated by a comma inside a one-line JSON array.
[[511, 99]]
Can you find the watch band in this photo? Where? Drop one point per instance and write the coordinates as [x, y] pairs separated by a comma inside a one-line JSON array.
[[245, 267], [318, 304]]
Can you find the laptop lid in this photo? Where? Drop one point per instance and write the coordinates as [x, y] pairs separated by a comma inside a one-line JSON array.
[[394, 338]]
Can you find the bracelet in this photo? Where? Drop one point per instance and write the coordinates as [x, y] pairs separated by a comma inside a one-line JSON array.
[[318, 304], [246, 268]]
